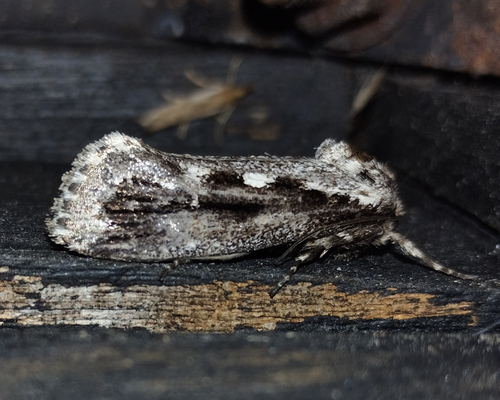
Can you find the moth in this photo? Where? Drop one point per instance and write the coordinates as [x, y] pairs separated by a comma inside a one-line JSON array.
[[211, 99], [124, 200]]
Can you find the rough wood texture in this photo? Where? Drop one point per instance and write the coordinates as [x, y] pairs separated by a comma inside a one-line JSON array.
[[454, 35], [57, 99], [80, 363], [442, 130], [219, 307], [43, 284], [436, 127], [59, 94]]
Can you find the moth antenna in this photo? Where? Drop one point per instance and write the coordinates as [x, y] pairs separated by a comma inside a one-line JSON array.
[[200, 81], [172, 98], [410, 249], [368, 91]]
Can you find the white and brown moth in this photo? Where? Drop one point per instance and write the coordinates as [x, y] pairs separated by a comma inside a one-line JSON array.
[[124, 200]]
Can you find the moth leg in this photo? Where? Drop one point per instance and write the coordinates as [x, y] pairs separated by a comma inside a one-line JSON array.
[[284, 281], [304, 258], [234, 65], [221, 122], [171, 266], [410, 249], [182, 131]]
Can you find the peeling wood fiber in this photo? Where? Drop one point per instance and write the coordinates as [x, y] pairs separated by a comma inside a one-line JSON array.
[[216, 307]]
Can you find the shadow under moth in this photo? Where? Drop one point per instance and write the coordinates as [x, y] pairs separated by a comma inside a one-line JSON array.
[[124, 200]]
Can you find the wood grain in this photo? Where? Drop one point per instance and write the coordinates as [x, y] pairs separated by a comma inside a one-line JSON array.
[[217, 307]]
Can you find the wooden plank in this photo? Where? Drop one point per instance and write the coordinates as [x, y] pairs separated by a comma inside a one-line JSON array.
[[43, 284], [440, 129], [49, 363], [56, 99]]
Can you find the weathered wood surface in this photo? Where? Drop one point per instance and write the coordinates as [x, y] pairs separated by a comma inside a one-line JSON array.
[[442, 130], [58, 94], [453, 35], [56, 99], [49, 363], [437, 127], [43, 284]]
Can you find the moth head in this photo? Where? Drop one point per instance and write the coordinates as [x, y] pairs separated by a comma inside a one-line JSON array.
[[373, 180], [343, 155]]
